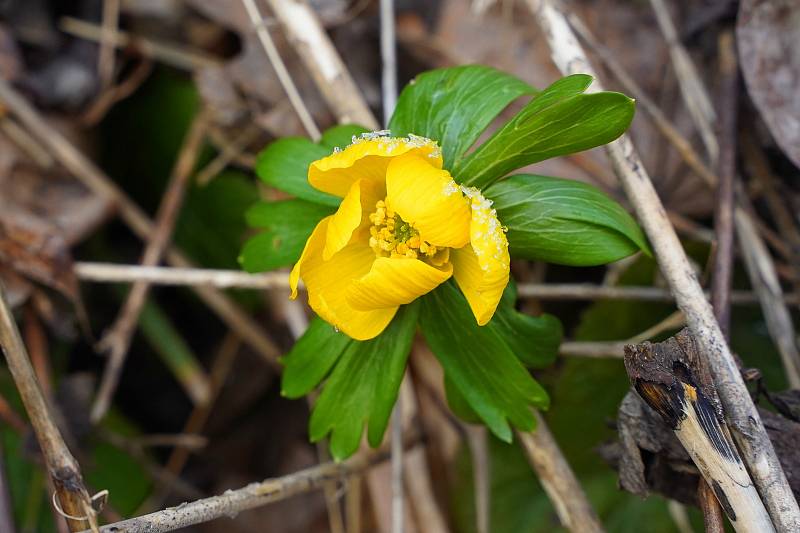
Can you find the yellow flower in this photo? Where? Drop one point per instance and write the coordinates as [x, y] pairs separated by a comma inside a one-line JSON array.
[[403, 228]]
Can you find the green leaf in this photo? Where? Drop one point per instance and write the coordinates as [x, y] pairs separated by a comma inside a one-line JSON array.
[[363, 387], [558, 121], [341, 136], [564, 221], [534, 340], [287, 225], [311, 358], [479, 363], [454, 105], [284, 165], [458, 404]]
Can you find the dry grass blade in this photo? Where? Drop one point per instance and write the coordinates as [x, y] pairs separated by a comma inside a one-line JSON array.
[[694, 93], [280, 69]]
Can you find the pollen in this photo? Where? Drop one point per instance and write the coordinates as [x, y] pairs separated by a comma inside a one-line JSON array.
[[391, 236]]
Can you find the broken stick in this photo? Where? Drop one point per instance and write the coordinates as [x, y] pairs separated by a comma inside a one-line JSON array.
[[672, 379]]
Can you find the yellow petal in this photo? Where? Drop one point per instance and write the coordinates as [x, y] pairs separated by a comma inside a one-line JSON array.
[[327, 283], [367, 158], [313, 247], [428, 199], [395, 281], [481, 268], [353, 213]]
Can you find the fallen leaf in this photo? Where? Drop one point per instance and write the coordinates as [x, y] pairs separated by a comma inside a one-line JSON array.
[[768, 35]]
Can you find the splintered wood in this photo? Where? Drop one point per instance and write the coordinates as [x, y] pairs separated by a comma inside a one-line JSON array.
[[672, 379]]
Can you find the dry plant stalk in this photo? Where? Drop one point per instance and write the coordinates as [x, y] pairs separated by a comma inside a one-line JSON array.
[[64, 471], [278, 280], [559, 482], [764, 278], [723, 230], [745, 421], [671, 377], [232, 502]]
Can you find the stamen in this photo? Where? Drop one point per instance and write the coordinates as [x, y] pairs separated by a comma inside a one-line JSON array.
[[391, 236]]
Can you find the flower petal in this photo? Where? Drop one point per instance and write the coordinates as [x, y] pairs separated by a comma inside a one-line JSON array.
[[367, 158], [353, 214], [481, 268], [313, 247], [395, 281], [428, 199], [327, 283]]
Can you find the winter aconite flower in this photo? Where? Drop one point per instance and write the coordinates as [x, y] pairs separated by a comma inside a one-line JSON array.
[[403, 227]]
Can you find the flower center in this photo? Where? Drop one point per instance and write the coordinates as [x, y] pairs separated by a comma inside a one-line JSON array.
[[391, 236]]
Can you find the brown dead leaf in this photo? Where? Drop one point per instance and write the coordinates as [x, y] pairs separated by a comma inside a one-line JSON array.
[[35, 248], [768, 33], [43, 212]]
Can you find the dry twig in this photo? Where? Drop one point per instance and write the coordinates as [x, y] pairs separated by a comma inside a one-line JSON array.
[[254, 495], [749, 431], [227, 155], [726, 170], [61, 465], [224, 279], [309, 39], [158, 275]]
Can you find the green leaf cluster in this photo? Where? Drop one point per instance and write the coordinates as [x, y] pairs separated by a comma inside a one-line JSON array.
[[552, 219], [363, 383]]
